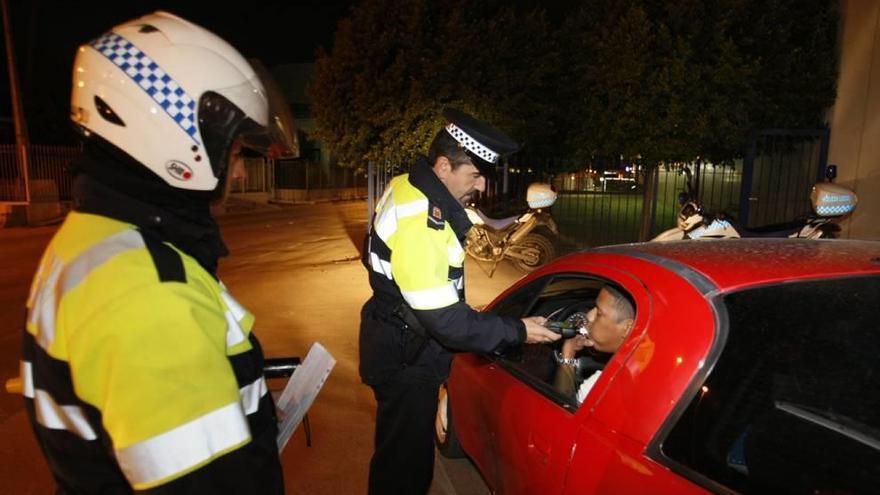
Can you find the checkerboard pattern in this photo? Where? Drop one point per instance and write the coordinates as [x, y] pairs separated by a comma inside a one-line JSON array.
[[834, 210], [152, 79], [471, 144]]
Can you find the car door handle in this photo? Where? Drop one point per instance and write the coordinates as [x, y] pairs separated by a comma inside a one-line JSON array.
[[539, 449]]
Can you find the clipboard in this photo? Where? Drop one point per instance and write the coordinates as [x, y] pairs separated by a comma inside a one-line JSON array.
[[301, 390]]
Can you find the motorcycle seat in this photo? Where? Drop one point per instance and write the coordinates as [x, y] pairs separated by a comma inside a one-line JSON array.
[[497, 224], [776, 230]]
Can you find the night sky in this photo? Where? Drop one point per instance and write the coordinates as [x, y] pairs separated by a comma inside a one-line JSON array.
[[47, 33]]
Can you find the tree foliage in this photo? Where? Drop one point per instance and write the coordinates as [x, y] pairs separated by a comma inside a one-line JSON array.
[[662, 80], [395, 65]]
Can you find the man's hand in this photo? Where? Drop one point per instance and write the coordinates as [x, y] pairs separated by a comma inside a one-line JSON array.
[[536, 333], [571, 346]]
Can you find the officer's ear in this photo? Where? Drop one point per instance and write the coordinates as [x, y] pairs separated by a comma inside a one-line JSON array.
[[442, 167]]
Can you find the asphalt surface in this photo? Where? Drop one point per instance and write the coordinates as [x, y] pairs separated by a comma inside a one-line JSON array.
[[297, 269]]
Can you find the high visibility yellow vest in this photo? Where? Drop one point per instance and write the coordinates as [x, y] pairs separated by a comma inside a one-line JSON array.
[[425, 260], [113, 349]]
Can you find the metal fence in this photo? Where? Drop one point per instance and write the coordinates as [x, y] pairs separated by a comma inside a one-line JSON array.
[[48, 176], [603, 202], [307, 174], [259, 177]]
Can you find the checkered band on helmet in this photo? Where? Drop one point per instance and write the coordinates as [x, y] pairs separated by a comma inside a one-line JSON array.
[[152, 80], [833, 210], [471, 144]]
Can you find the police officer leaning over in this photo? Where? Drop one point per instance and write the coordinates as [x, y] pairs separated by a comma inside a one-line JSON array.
[[417, 315], [140, 371]]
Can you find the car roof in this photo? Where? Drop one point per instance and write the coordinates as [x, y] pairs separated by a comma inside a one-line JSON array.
[[733, 263]]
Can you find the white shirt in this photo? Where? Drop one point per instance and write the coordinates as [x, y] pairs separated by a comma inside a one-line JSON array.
[[586, 385]]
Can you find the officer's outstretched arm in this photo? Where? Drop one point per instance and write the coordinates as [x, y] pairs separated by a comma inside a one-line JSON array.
[[462, 328]]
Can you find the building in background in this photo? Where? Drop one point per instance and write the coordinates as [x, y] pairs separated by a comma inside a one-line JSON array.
[[855, 117]]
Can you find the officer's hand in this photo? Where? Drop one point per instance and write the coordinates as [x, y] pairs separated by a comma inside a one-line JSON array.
[[536, 333]]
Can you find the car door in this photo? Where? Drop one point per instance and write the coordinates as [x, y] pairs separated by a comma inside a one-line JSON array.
[[530, 426]]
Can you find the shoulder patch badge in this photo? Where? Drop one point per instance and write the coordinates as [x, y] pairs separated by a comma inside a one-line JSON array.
[[435, 217]]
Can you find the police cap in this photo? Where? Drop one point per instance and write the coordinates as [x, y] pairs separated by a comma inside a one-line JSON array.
[[482, 142]]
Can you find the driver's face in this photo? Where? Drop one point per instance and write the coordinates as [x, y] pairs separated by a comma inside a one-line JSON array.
[[606, 332]]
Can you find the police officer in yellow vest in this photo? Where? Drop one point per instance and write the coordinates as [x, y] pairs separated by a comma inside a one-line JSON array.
[[140, 370], [417, 315]]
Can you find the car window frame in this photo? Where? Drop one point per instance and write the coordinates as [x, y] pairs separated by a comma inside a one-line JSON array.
[[539, 285]]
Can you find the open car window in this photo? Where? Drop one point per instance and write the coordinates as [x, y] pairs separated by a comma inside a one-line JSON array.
[[559, 297]]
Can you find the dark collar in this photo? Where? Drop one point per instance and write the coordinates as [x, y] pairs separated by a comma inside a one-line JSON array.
[[188, 225], [423, 178]]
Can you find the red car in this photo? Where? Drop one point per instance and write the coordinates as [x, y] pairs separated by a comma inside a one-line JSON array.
[[752, 366]]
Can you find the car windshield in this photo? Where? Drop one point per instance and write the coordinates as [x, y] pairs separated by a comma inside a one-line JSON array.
[[793, 403]]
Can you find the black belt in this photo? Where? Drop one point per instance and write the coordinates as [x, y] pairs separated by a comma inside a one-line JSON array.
[[414, 335]]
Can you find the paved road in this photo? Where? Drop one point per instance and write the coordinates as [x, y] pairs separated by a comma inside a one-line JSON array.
[[297, 270]]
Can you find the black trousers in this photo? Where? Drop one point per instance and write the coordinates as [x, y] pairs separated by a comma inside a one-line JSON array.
[[403, 461]]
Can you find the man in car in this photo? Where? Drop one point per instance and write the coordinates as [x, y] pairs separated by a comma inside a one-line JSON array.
[[417, 315], [610, 321]]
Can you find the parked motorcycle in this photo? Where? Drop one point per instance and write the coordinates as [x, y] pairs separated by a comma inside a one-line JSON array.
[[830, 202], [527, 240]]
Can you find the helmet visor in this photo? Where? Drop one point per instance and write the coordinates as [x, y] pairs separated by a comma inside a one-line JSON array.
[[276, 139]]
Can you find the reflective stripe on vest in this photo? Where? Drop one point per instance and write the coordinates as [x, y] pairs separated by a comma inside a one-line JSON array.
[[433, 298], [72, 418], [61, 279], [49, 413], [188, 446]]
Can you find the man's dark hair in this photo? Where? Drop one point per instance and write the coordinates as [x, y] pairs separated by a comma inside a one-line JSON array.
[[622, 304], [446, 145]]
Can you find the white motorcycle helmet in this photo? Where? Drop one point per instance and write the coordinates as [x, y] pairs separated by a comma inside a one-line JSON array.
[[174, 97]]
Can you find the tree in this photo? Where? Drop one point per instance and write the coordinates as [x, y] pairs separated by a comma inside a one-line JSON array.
[[396, 65], [662, 80], [681, 79], [653, 80]]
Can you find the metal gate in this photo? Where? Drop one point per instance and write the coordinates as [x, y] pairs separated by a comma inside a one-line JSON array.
[[779, 172]]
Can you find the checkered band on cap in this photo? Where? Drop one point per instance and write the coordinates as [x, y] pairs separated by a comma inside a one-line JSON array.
[[152, 79], [471, 144]]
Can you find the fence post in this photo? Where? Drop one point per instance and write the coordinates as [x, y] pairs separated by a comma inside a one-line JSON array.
[[21, 132], [745, 197], [823, 154], [371, 193], [504, 188], [649, 198]]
